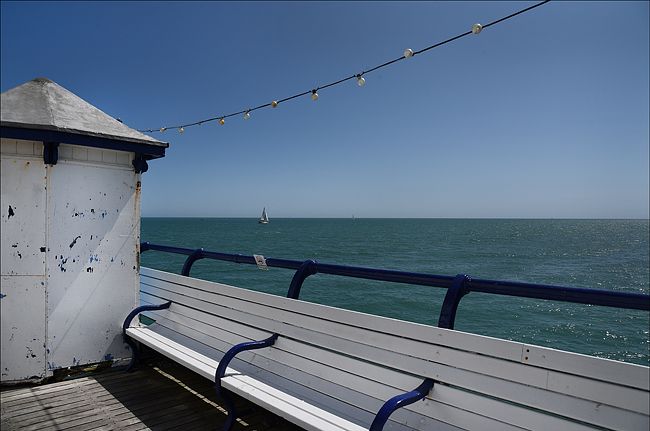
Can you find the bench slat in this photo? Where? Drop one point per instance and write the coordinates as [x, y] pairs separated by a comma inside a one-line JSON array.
[[469, 419], [603, 415], [597, 368], [354, 406], [614, 395], [299, 412], [524, 389]]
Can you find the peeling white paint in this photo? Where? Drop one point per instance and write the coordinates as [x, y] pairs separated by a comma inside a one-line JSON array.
[[69, 257], [22, 311]]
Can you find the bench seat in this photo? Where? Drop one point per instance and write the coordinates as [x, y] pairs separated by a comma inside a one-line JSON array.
[[333, 369], [278, 402]]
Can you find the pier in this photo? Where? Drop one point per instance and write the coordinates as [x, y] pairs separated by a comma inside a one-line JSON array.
[[159, 395]]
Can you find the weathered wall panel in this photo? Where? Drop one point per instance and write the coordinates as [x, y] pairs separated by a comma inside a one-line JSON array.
[[69, 257], [22, 254], [22, 315], [94, 231], [22, 207]]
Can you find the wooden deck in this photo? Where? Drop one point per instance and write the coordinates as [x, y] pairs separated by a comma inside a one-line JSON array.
[[158, 396]]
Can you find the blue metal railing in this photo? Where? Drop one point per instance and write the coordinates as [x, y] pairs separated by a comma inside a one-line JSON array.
[[457, 286]]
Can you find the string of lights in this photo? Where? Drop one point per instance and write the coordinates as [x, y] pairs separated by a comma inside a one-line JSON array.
[[408, 53]]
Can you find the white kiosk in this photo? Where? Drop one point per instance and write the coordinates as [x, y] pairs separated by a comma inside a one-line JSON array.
[[70, 227]]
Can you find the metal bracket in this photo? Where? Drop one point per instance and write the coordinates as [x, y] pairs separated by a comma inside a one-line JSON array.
[[221, 371], [454, 294], [140, 164], [400, 401], [50, 153], [127, 323], [187, 266], [308, 267]]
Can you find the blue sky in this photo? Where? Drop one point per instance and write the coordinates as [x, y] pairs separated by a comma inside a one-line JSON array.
[[544, 115]]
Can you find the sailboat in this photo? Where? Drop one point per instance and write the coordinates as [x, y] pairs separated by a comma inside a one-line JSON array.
[[264, 219]]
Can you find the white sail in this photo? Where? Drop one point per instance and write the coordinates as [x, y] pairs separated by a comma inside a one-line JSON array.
[[264, 218]]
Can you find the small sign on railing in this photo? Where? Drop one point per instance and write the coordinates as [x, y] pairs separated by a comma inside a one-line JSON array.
[[261, 262]]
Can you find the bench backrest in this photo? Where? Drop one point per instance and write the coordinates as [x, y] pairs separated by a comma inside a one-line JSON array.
[[350, 363]]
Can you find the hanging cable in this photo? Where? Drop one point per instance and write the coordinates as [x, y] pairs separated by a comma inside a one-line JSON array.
[[408, 53]]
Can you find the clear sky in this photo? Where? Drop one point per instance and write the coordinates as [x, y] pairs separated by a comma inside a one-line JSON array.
[[544, 115]]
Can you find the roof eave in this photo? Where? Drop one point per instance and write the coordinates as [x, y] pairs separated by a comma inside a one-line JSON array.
[[148, 149]]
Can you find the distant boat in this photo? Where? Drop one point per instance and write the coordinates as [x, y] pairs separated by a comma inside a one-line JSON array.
[[264, 219]]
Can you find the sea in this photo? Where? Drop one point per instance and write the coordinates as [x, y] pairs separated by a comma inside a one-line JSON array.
[[599, 254]]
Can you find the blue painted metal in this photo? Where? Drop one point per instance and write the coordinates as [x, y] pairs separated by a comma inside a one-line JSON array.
[[140, 164], [50, 153], [127, 323], [308, 267], [221, 371], [400, 401], [607, 298], [450, 304], [151, 151], [187, 266]]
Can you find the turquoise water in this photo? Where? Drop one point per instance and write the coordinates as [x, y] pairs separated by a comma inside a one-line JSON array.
[[603, 254]]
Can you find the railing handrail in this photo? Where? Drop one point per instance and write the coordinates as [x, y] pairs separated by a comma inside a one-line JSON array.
[[456, 285]]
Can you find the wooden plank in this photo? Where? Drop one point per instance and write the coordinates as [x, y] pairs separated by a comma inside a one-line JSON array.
[[29, 394], [122, 403], [632, 375], [352, 405], [382, 375], [307, 328], [206, 366], [307, 393], [527, 375], [493, 408], [577, 364], [293, 409], [456, 339], [44, 397], [60, 421], [327, 376]]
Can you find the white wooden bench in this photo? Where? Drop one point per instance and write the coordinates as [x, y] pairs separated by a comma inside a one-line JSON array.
[[333, 369]]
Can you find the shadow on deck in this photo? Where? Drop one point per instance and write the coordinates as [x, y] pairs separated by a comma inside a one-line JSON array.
[[158, 396]]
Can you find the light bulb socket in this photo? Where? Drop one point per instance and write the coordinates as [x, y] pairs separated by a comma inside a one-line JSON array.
[[314, 95]]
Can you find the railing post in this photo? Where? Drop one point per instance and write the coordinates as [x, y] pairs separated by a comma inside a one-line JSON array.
[[454, 294], [308, 267], [144, 246], [187, 266]]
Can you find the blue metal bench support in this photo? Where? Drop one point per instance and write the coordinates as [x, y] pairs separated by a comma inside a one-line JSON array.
[[454, 294], [187, 266], [221, 370], [400, 401], [127, 323], [308, 267]]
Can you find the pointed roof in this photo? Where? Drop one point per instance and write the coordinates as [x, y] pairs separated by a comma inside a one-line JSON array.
[[43, 105]]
